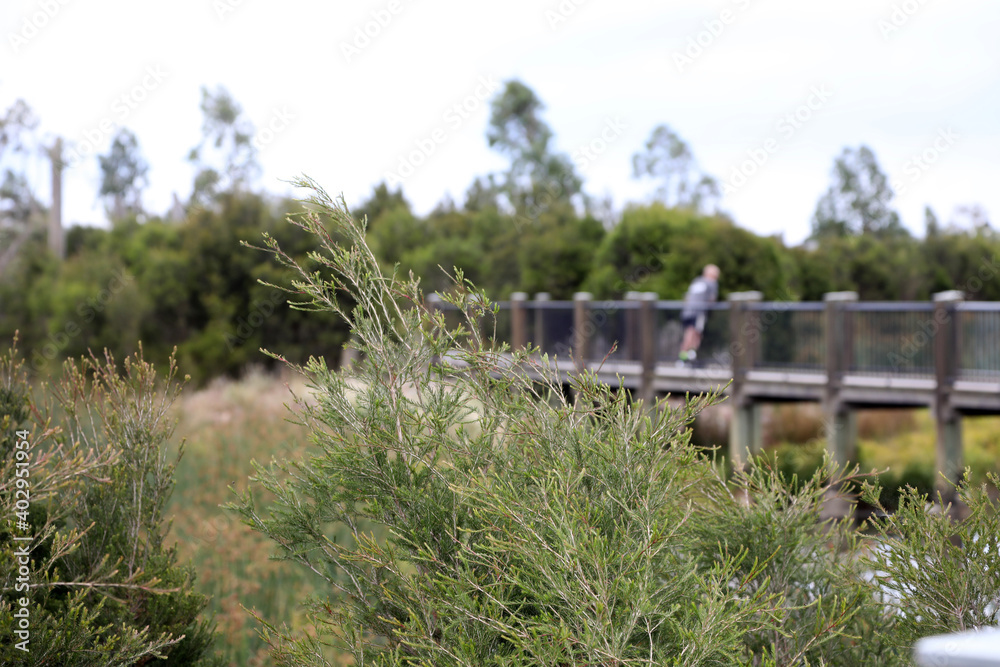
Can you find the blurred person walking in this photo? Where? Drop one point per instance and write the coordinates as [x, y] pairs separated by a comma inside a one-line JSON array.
[[703, 290]]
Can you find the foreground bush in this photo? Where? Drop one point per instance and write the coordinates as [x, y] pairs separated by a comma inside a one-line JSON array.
[[491, 521], [85, 476]]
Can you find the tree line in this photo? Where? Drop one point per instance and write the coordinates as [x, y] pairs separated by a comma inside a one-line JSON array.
[[178, 279]]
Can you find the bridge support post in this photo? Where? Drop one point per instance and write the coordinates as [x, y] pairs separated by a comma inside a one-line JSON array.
[[581, 330], [538, 340], [518, 321], [841, 425], [947, 419], [647, 347], [744, 332]]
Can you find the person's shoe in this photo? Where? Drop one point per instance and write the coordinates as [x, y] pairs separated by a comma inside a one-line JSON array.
[[682, 359]]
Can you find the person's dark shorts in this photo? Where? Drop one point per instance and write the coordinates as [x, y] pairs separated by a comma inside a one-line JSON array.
[[696, 321]]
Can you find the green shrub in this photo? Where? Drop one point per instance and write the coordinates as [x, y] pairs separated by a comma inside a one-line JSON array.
[[938, 575], [458, 512], [99, 585]]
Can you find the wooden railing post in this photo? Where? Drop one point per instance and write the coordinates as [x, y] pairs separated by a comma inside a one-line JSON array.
[[744, 335], [518, 321], [647, 347], [631, 333], [539, 337], [947, 418], [581, 329], [840, 427]]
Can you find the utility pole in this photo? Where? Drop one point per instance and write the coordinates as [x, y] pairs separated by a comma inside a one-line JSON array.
[[56, 241]]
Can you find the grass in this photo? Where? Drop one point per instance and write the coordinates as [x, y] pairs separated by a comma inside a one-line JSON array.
[[225, 427]]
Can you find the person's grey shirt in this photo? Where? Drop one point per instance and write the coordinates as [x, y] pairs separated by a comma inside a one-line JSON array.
[[701, 293]]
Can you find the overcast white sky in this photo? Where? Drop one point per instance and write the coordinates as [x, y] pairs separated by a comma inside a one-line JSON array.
[[905, 77]]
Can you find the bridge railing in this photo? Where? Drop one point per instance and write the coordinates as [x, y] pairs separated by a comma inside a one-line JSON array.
[[978, 334], [498, 327], [788, 336], [891, 338], [550, 326], [612, 329], [714, 350], [877, 338]]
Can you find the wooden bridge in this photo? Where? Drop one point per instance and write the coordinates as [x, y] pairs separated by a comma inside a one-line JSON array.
[[841, 352]]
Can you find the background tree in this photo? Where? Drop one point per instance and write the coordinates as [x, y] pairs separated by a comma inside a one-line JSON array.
[[19, 208], [225, 159], [123, 176], [382, 201], [482, 193], [972, 217], [538, 177], [858, 200], [660, 249], [668, 159]]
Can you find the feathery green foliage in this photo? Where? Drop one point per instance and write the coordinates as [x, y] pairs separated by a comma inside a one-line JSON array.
[[938, 575], [458, 509], [102, 588]]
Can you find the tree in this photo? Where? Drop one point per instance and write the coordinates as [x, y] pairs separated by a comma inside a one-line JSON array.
[[660, 249], [18, 120], [538, 177], [19, 208], [932, 226], [482, 194], [669, 159], [558, 253], [972, 217], [382, 201], [225, 158], [858, 200], [123, 176]]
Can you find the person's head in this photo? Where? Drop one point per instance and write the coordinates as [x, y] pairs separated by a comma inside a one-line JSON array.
[[711, 272]]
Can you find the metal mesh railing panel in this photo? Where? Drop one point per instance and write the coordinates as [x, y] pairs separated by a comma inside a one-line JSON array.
[[892, 338]]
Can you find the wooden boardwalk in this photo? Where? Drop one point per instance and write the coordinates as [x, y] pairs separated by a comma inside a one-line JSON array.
[[842, 353]]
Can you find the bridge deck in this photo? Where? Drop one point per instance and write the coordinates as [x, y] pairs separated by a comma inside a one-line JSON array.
[[782, 385]]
